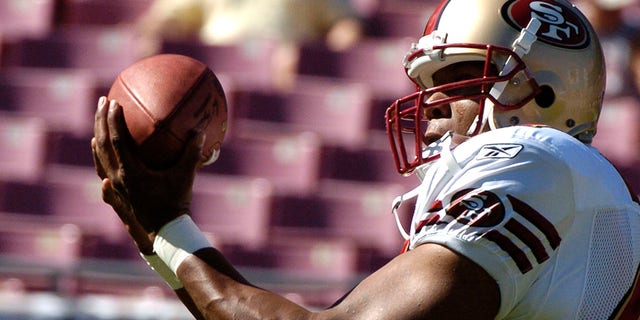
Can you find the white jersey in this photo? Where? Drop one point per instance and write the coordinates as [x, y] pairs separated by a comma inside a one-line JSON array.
[[547, 216]]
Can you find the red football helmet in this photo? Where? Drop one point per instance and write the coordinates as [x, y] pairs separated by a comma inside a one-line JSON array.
[[543, 64]]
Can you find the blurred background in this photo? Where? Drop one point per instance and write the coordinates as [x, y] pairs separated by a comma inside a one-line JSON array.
[[300, 198]]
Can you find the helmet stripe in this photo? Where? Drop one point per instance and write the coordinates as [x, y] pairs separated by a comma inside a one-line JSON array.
[[435, 17]]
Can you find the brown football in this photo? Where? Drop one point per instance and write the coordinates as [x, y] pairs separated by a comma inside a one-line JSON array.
[[164, 97]]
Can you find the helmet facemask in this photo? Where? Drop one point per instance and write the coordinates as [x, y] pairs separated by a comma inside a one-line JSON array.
[[406, 118]]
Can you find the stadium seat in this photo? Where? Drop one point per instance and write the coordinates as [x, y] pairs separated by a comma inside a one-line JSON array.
[[22, 148], [246, 63], [23, 197], [26, 18], [233, 210], [64, 98], [375, 62], [69, 149], [307, 257], [102, 50], [311, 270], [101, 12], [289, 160], [399, 18], [360, 212], [129, 299], [74, 196], [371, 163], [39, 243], [618, 136], [338, 111]]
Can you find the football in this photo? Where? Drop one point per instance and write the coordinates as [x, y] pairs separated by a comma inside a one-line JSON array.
[[165, 98]]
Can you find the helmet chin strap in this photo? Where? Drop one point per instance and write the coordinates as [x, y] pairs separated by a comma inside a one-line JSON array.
[[443, 147], [396, 204], [520, 47]]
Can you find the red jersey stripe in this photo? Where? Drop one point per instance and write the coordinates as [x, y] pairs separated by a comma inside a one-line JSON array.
[[518, 256], [537, 220], [529, 239]]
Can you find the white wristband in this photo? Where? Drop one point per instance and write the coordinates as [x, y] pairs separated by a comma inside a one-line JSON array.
[[163, 270], [177, 240]]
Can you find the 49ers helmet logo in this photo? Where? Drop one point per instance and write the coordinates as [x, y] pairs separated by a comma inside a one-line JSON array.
[[561, 25]]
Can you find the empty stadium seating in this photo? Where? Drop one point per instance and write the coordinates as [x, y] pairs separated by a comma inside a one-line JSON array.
[[337, 111], [300, 197], [103, 51], [246, 62], [289, 160], [375, 62], [360, 212], [22, 147], [43, 244], [233, 210], [101, 12], [65, 99], [399, 18], [618, 131], [370, 163], [73, 195], [26, 18]]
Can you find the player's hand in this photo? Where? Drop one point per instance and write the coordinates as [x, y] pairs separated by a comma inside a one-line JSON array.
[[154, 197], [103, 160], [142, 239]]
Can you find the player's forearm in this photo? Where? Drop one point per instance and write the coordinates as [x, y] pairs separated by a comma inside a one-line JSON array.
[[212, 284], [220, 292], [188, 302]]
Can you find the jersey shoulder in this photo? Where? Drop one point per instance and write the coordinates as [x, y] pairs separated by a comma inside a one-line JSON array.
[[542, 139], [537, 145]]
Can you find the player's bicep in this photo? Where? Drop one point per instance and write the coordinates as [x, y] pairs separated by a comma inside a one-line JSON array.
[[428, 282]]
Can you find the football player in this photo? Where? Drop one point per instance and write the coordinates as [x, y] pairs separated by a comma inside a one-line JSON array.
[[517, 216]]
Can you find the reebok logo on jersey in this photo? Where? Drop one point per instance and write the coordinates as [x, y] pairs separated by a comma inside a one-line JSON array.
[[499, 151]]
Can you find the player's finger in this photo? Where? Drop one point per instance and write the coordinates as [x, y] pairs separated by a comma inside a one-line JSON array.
[[193, 151], [103, 150], [100, 121], [119, 134], [96, 160], [100, 129]]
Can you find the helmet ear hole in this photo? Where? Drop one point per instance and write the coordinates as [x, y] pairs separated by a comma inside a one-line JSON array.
[[546, 97]]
